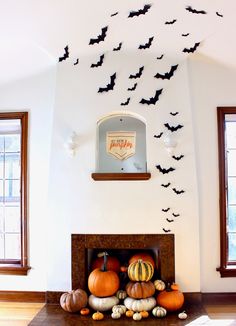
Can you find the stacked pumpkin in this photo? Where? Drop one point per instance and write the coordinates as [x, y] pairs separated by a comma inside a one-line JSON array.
[[140, 289]]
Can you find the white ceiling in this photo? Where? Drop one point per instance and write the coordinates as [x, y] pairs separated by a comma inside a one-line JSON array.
[[34, 33]]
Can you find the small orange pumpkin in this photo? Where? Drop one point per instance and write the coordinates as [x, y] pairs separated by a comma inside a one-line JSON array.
[[144, 314], [129, 313], [74, 300], [84, 311], [97, 316], [171, 299]]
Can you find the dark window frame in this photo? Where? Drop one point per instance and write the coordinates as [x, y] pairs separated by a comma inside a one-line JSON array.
[[20, 267], [226, 269]]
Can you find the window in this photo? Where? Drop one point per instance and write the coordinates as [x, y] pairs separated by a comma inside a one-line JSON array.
[[13, 193], [227, 184]]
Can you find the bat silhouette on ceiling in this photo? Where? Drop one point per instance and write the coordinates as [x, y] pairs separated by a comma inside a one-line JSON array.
[[177, 158], [118, 47], [175, 215], [109, 86], [171, 22], [173, 128], [76, 62], [193, 49], [187, 34], [163, 170], [158, 136], [178, 192], [169, 220], [165, 185], [174, 113], [165, 210], [65, 55], [138, 74], [115, 13], [99, 63], [166, 231], [167, 75], [152, 100], [132, 88], [146, 45], [100, 37], [195, 11], [161, 56], [139, 12], [218, 14], [127, 102]]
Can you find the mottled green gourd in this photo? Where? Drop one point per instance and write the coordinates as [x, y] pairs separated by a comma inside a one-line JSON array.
[[140, 271]]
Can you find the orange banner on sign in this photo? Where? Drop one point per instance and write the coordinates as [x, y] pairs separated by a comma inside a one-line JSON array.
[[121, 144]]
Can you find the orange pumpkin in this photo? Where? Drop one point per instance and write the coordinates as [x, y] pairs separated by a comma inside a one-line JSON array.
[[97, 316], [113, 264], [103, 283], [84, 311], [144, 314], [129, 313], [74, 300], [145, 256], [171, 299], [140, 290]]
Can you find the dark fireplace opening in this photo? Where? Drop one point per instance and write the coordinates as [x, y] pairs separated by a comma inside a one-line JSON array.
[[85, 248]]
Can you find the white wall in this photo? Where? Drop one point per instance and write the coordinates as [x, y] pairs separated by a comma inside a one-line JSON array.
[[211, 85], [34, 94]]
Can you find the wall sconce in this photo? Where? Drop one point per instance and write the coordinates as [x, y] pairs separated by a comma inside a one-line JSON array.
[[72, 144], [170, 143]]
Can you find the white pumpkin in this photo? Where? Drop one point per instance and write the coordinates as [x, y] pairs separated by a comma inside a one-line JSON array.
[[137, 316], [159, 285], [159, 312], [182, 315], [115, 315], [140, 304], [102, 304], [119, 308]]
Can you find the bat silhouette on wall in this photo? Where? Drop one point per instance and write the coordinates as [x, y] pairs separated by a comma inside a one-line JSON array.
[[195, 11], [118, 47], [139, 12], [76, 62], [178, 192], [100, 37], [166, 231], [158, 136], [187, 34], [174, 113], [99, 63], [177, 158], [167, 75], [146, 45], [109, 86], [65, 55], [160, 57], [175, 215], [173, 128], [171, 22], [165, 185], [163, 170], [165, 210], [115, 13], [138, 74], [152, 100], [127, 102], [218, 14], [132, 88], [192, 49], [168, 220]]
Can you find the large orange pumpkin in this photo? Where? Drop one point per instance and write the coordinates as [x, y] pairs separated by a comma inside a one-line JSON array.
[[74, 300], [140, 290], [113, 264], [171, 299], [145, 256], [103, 283]]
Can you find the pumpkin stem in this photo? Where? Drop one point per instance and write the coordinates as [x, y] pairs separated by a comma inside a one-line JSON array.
[[104, 267]]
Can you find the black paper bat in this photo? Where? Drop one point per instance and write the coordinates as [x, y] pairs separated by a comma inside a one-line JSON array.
[[187, 34], [165, 185], [115, 13], [161, 56], [152, 100], [177, 158], [174, 113], [171, 22], [164, 171], [193, 49], [173, 128], [100, 37], [109, 86], [165, 210], [158, 136], [76, 62], [138, 74], [195, 11], [132, 88], [167, 75], [168, 220], [118, 47], [146, 45], [127, 102], [175, 215], [166, 231], [140, 11], [218, 14], [65, 55], [99, 63], [178, 192]]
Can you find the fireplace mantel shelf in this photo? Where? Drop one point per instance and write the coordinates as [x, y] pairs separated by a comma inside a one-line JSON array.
[[120, 176]]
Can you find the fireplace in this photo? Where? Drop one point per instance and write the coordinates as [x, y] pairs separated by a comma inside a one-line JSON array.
[[84, 245]]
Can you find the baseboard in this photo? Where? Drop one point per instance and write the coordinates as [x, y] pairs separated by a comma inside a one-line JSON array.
[[53, 297], [22, 296], [219, 298]]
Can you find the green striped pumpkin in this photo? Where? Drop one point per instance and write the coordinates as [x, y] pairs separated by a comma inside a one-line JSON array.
[[140, 271]]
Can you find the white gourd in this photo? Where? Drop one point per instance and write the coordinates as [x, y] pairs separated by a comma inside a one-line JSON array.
[[159, 285], [119, 308], [140, 304], [137, 316], [102, 304], [159, 312], [115, 315], [182, 315]]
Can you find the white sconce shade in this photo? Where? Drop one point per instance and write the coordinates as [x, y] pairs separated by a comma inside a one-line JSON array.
[[72, 144], [170, 143]]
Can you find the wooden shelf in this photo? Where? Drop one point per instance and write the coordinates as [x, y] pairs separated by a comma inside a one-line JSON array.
[[120, 176]]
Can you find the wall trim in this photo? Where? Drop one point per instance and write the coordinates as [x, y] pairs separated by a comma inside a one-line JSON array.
[[22, 296]]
